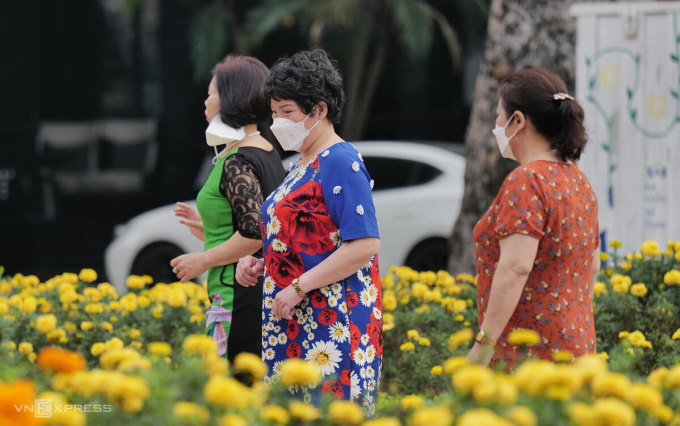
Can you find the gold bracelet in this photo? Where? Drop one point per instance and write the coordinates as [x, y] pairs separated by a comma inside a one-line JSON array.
[[484, 339], [296, 285]]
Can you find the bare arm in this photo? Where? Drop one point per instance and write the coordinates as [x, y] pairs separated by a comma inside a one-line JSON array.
[[516, 261], [342, 263], [594, 270]]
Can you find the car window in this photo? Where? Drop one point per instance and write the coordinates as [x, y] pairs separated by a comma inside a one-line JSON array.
[[391, 173]]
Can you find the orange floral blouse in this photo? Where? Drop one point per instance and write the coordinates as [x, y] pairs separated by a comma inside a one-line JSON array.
[[554, 203]]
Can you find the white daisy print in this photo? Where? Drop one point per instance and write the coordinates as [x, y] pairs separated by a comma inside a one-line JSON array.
[[268, 302], [332, 301], [365, 297], [372, 183], [307, 398], [267, 380], [268, 285], [325, 153], [335, 237], [273, 341], [283, 338], [359, 356], [360, 275], [277, 329], [336, 287], [278, 245], [269, 354], [360, 209], [273, 227], [269, 326], [377, 313], [354, 389], [270, 209], [307, 328], [367, 280], [355, 166], [370, 385], [337, 189], [326, 291], [360, 157], [326, 355], [313, 324], [305, 344], [365, 339], [310, 336], [277, 367], [362, 373], [338, 332], [343, 307], [370, 353]]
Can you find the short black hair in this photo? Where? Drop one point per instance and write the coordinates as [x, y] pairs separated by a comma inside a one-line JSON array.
[[308, 77], [240, 81]]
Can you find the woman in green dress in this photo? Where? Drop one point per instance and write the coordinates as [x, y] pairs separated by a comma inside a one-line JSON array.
[[227, 220]]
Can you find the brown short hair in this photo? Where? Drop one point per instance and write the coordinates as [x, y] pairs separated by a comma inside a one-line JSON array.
[[240, 81]]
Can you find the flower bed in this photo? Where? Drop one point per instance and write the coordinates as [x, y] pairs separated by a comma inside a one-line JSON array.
[[74, 351]]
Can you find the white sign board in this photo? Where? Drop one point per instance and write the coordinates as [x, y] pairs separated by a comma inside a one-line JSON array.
[[628, 82]]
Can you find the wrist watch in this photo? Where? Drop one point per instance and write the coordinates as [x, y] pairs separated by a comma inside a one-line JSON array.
[[483, 339], [296, 285]]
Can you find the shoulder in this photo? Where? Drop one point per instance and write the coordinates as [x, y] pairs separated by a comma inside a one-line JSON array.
[[342, 153]]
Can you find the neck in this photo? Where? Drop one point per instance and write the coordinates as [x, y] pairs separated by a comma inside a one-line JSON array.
[[536, 148], [318, 141]]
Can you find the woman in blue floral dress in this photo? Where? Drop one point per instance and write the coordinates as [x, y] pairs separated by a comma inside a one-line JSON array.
[[322, 296]]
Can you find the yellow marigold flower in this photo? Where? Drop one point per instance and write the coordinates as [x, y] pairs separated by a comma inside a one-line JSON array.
[[135, 333], [620, 283], [644, 397], [60, 360], [521, 336], [227, 393], [389, 301], [299, 372], [467, 377], [432, 416], [424, 341], [459, 318], [436, 370], [603, 256], [382, 421], [232, 420], [46, 323], [4, 307], [189, 410], [639, 290], [639, 339], [589, 366], [523, 416], [122, 359], [624, 334], [672, 277], [676, 335], [459, 337], [610, 384], [452, 364], [581, 414], [615, 244], [562, 356], [98, 348], [94, 308], [135, 282], [129, 302], [345, 412], [25, 348], [177, 298], [410, 402], [664, 414], [87, 275], [651, 249], [600, 288], [481, 416], [412, 335], [274, 414], [612, 411], [159, 348], [143, 301], [199, 344], [29, 304], [626, 266], [658, 376], [107, 289], [408, 346], [672, 379], [216, 365], [107, 326], [58, 335], [303, 411], [250, 363]]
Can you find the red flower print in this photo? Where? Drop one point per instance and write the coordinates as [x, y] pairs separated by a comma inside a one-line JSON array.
[[344, 378], [292, 330], [352, 299], [293, 350], [315, 163], [328, 317], [309, 224], [374, 331], [283, 267], [355, 337], [318, 299], [332, 387]]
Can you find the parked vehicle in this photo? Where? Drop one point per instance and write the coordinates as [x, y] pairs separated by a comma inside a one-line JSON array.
[[418, 192]]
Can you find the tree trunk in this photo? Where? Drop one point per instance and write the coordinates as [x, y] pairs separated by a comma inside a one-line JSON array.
[[521, 34]]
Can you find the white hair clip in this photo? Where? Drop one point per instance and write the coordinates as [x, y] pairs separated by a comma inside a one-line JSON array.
[[562, 96]]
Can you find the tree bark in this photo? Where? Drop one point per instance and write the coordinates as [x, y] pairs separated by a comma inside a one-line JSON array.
[[520, 34]]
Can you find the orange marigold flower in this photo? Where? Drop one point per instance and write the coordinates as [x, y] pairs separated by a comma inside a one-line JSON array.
[[61, 360], [18, 393]]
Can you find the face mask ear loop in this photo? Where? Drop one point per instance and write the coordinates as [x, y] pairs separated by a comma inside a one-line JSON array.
[[507, 124], [216, 157]]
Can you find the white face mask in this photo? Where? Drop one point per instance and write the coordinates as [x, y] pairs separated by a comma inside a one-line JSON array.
[[219, 133], [504, 141], [290, 134]]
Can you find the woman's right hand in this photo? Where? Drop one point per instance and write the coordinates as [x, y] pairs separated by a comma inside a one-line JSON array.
[[248, 269], [191, 219]]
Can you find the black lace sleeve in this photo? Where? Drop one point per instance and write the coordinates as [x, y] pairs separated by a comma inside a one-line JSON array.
[[239, 184]]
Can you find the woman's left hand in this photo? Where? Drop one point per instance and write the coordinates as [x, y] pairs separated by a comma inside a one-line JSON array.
[[188, 266], [481, 354], [285, 302]]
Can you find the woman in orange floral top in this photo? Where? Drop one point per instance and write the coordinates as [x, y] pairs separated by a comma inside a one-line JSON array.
[[537, 247]]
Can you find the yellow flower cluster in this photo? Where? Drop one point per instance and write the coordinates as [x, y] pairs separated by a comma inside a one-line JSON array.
[[129, 392]]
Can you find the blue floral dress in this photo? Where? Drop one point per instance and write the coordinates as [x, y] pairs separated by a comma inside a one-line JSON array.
[[339, 327]]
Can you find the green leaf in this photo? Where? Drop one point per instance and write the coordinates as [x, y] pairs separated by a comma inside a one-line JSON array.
[[415, 26], [208, 40], [674, 58], [270, 15]]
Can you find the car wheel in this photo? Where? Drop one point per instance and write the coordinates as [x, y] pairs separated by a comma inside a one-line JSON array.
[[429, 255], [154, 260]]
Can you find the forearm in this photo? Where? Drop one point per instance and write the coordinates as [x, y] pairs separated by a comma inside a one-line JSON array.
[[506, 290], [345, 261], [231, 250]]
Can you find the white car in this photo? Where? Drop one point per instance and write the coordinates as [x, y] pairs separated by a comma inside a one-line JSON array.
[[418, 193]]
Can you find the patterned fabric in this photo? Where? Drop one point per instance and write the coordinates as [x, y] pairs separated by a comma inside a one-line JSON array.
[[339, 327], [554, 203]]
